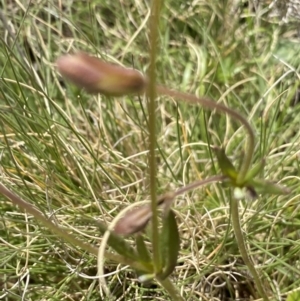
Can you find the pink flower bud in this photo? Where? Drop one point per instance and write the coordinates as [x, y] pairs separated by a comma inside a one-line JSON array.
[[137, 219], [97, 76], [134, 220]]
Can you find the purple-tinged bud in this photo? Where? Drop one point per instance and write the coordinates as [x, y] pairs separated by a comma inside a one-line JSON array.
[[97, 76], [137, 219], [134, 221]]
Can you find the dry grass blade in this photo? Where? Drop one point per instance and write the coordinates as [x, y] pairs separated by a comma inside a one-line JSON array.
[[75, 155]]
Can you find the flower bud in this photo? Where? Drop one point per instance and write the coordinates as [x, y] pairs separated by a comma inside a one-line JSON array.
[[97, 76], [134, 221], [137, 219]]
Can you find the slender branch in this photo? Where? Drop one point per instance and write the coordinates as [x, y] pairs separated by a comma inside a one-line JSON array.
[[154, 21], [198, 183], [242, 247], [220, 108]]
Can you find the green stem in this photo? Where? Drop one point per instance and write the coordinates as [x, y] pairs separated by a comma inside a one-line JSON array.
[[154, 21], [220, 108], [171, 289], [18, 201], [242, 247]]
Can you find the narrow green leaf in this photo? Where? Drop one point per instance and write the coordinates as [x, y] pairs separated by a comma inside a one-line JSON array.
[[263, 186], [225, 164], [170, 243], [121, 246], [256, 169], [142, 250]]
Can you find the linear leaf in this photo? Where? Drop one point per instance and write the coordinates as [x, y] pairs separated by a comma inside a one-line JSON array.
[[254, 171], [263, 186], [225, 164], [170, 243], [142, 250]]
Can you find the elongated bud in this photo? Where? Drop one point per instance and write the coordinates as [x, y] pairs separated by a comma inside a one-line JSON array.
[[97, 76], [137, 219], [134, 221]]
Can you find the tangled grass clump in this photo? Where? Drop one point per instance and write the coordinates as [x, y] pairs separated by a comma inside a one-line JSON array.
[[83, 164]]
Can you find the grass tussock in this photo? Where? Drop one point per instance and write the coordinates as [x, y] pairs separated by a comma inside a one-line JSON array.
[[82, 158]]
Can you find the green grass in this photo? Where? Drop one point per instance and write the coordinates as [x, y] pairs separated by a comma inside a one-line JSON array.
[[80, 158]]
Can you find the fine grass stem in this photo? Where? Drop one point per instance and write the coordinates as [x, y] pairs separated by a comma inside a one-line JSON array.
[[242, 247]]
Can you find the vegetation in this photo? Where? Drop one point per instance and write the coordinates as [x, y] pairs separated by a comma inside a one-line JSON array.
[[80, 159]]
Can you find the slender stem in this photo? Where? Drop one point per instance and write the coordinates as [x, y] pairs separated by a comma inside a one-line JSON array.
[[18, 201], [171, 289], [220, 108], [242, 247], [154, 21], [199, 183]]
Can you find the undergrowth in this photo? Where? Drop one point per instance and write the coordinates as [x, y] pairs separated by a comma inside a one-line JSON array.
[[81, 159]]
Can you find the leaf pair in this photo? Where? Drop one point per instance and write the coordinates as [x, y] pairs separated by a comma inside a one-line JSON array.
[[169, 241], [252, 186]]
